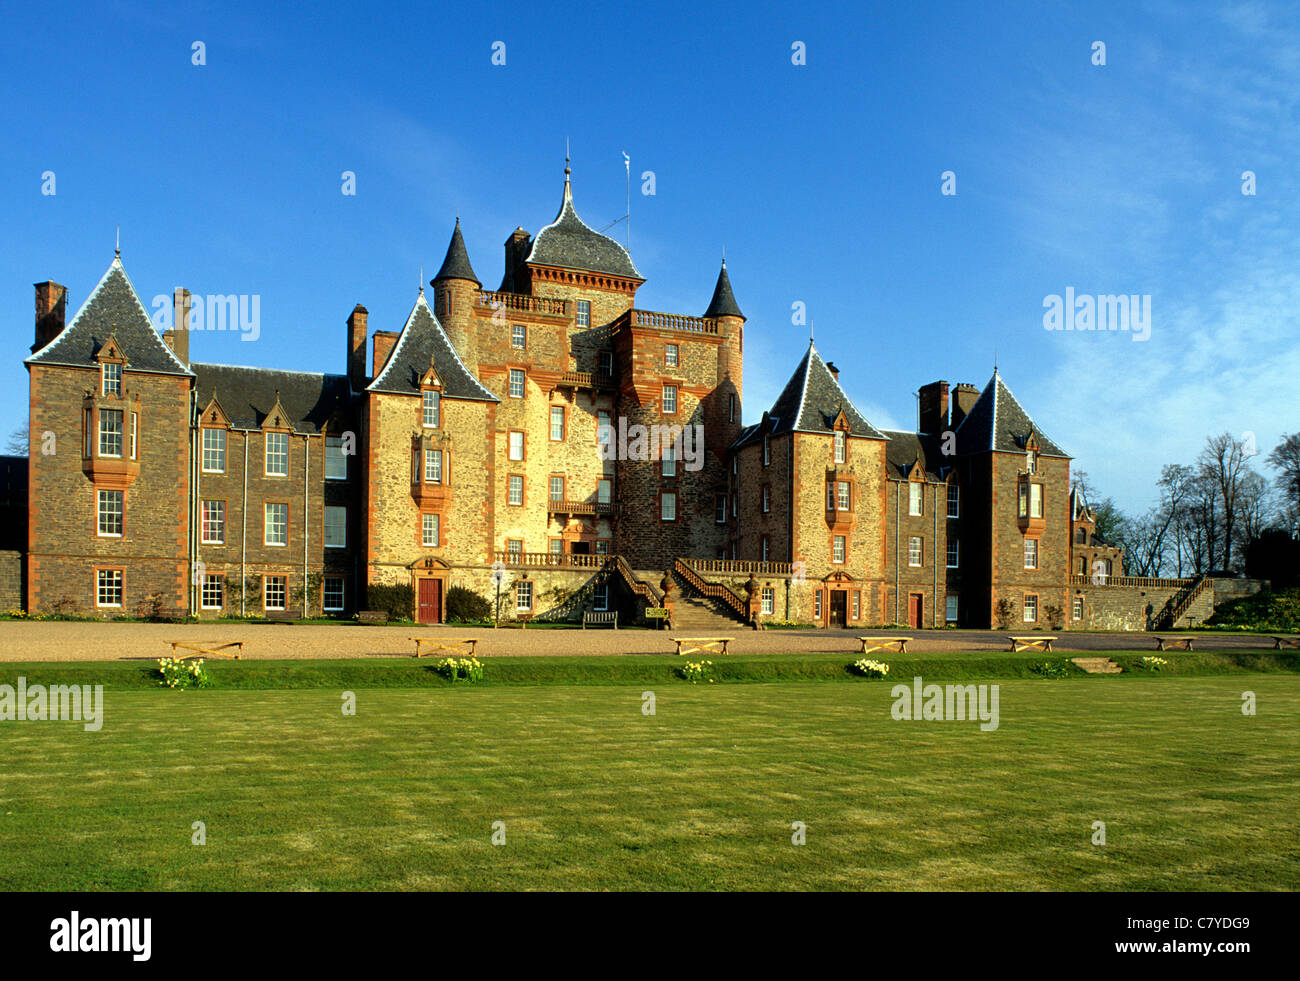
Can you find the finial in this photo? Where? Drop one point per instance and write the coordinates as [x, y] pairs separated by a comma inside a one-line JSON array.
[[422, 273], [812, 328], [117, 248], [567, 169], [724, 257]]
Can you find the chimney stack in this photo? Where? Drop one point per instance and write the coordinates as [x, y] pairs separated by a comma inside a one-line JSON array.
[[835, 372], [178, 338], [964, 397], [51, 304], [934, 408], [516, 249], [384, 341], [358, 330]]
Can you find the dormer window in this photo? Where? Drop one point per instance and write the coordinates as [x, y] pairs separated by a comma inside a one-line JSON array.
[[110, 378], [840, 446], [431, 409], [767, 451], [277, 454], [915, 501], [1031, 461]]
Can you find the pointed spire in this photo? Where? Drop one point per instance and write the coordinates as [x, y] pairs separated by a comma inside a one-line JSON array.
[[456, 264], [723, 303]]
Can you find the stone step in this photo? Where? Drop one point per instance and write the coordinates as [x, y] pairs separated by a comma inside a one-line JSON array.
[[1097, 665]]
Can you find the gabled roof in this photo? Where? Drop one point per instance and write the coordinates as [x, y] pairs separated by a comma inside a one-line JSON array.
[[455, 265], [723, 303], [247, 395], [905, 449], [113, 308], [998, 422], [810, 403], [423, 339], [570, 243]]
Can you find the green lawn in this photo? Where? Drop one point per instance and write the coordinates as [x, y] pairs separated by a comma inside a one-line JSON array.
[[596, 795]]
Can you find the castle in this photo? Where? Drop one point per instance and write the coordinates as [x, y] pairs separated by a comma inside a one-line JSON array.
[[491, 432]]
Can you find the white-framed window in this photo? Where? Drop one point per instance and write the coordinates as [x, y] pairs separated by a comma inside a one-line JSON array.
[[430, 409], [111, 375], [1035, 500], [135, 433], [557, 423], [914, 547], [87, 424], [274, 592], [817, 605], [516, 383], [668, 506], [952, 553], [515, 489], [602, 546], [1031, 553], [108, 587], [954, 501], [277, 454], [604, 490], [516, 445], [1031, 607], [514, 547], [555, 546], [110, 513], [582, 313], [857, 605], [765, 498], [430, 529], [830, 496], [518, 337], [915, 499], [214, 451], [600, 597], [110, 432], [556, 488], [839, 446], [844, 495], [213, 524], [276, 525], [524, 596], [767, 451], [670, 400], [332, 594], [950, 608], [212, 594], [433, 466], [670, 355], [720, 509], [336, 461], [768, 598], [604, 427], [1076, 608], [668, 462], [1031, 461], [837, 549], [1024, 500], [765, 548], [336, 527]]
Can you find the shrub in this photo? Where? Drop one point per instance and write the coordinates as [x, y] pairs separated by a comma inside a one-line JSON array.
[[869, 668], [1005, 612], [1154, 663], [397, 601], [466, 606], [696, 671], [1052, 669], [456, 669], [183, 674]]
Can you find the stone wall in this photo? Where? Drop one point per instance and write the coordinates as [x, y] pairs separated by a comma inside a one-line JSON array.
[[12, 596]]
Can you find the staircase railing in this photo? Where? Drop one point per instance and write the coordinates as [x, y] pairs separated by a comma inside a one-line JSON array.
[[646, 591], [1182, 601], [711, 590]]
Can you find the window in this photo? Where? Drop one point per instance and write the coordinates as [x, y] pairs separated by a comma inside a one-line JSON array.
[[1031, 461], [556, 546], [430, 530], [857, 605], [1076, 608], [765, 498], [524, 596], [767, 452], [276, 525], [110, 432], [1031, 553], [212, 594], [214, 451], [604, 431], [914, 550], [837, 549], [274, 592], [668, 506], [516, 490], [88, 431], [954, 501], [602, 546], [336, 461], [108, 587], [830, 496], [110, 513], [606, 360], [817, 605], [604, 490], [1083, 566], [111, 372], [731, 408], [431, 409], [668, 462], [516, 445], [1081, 536], [950, 609], [336, 527], [135, 432], [768, 599], [214, 523], [582, 314], [670, 400], [557, 489], [720, 509], [952, 553], [1023, 510], [845, 495], [765, 548], [557, 422], [1031, 607], [277, 454], [516, 383], [514, 547], [670, 356], [333, 594], [839, 446], [518, 337], [1035, 500], [433, 466], [600, 596], [915, 501]]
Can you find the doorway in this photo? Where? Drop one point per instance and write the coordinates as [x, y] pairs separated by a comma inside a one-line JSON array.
[[914, 610], [839, 608], [430, 601]]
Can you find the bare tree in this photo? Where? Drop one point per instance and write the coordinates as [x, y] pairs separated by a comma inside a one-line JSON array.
[[1223, 465], [1256, 510], [17, 444], [1285, 458]]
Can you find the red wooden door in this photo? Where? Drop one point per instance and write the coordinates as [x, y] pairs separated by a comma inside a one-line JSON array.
[[430, 601], [914, 610]]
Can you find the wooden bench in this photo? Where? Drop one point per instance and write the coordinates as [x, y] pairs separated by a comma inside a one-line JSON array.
[[1039, 643], [702, 645], [871, 644], [447, 644], [599, 618], [372, 616], [1174, 643], [1280, 642], [206, 648]]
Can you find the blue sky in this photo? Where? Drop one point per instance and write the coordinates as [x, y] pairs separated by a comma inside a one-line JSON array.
[[821, 181]]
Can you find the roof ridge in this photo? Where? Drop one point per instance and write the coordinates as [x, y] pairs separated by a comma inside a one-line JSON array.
[[420, 301], [253, 367], [1020, 405]]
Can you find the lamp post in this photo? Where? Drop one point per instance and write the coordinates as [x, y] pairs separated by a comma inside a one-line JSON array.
[[498, 576]]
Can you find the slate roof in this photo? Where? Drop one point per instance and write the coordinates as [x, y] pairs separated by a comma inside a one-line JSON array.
[[809, 403], [248, 394], [723, 303], [568, 242], [113, 307], [998, 422], [455, 265], [422, 338], [905, 448]]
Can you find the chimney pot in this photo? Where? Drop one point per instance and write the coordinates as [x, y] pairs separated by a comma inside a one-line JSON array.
[[358, 321]]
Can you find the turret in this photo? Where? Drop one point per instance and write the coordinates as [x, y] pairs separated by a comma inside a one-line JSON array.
[[724, 412], [455, 290]]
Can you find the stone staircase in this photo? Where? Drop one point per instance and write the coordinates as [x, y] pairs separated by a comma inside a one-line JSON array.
[[699, 615], [1097, 665]]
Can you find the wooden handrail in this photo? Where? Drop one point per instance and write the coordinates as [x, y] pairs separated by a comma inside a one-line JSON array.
[[649, 593], [710, 589]]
